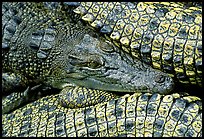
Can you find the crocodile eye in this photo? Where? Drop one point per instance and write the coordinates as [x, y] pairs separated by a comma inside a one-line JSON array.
[[94, 62], [159, 78]]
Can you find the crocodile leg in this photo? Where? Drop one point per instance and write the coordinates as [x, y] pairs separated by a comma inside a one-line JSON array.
[[11, 81], [78, 97], [19, 98]]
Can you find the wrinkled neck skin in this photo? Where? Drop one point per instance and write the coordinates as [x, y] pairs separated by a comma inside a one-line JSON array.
[[97, 64]]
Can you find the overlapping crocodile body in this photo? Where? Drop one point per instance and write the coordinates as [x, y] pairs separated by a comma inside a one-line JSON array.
[[166, 35], [132, 116], [46, 45]]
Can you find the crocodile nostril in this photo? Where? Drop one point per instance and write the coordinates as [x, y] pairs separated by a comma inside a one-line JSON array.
[[159, 78]]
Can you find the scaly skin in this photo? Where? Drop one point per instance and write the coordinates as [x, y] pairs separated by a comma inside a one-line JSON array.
[[43, 47], [44, 117], [134, 115], [166, 35]]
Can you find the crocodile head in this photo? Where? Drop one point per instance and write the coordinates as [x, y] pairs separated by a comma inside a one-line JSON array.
[[98, 64]]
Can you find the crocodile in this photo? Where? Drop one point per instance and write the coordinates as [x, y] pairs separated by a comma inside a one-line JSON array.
[[43, 47], [165, 35], [137, 115], [37, 27]]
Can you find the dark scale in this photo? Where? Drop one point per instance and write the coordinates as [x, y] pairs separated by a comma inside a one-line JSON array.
[[4, 133], [25, 126], [160, 12], [42, 54], [154, 23], [87, 111], [59, 122], [80, 98], [157, 134], [11, 29], [184, 119], [189, 133], [144, 97], [122, 135], [45, 107], [90, 120], [188, 18], [10, 116], [60, 115], [175, 114], [168, 58], [118, 112], [180, 103], [22, 134], [38, 34], [92, 131], [151, 109], [198, 65], [52, 115], [17, 20], [147, 38], [183, 32], [12, 11], [27, 112], [106, 29], [111, 124], [181, 76], [52, 108], [60, 131], [45, 46], [34, 45], [129, 125], [153, 97], [158, 124], [196, 12], [182, 130]]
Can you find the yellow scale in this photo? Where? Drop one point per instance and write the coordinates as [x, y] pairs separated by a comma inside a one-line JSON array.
[[121, 118], [163, 111], [131, 113], [151, 117], [177, 108], [111, 118], [141, 114], [69, 122], [190, 113], [101, 119], [196, 127]]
